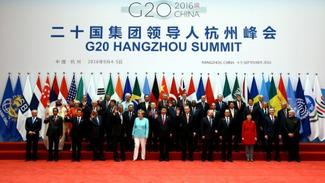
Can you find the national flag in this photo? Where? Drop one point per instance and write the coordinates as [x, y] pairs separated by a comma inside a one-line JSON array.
[[5, 119], [291, 97], [226, 90], [81, 90], [45, 98], [264, 91], [127, 88], [217, 87], [181, 88], [200, 90], [311, 106], [146, 87], [320, 107], [303, 110], [100, 89], [163, 88], [18, 103], [25, 113], [173, 94], [236, 89], [191, 94], [253, 93], [275, 98], [136, 93], [282, 90], [110, 88], [36, 94], [63, 94], [54, 91], [72, 89], [209, 92], [91, 91], [245, 91], [118, 94], [154, 96]]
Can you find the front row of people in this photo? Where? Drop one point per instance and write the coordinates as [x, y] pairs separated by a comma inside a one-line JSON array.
[[211, 131]]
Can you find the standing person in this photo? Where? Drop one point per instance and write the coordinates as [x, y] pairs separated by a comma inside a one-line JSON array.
[[226, 132], [33, 125], [164, 131], [128, 121], [291, 130], [77, 123], [140, 134], [272, 135], [118, 133], [249, 137], [208, 131], [187, 132], [54, 133], [97, 136]]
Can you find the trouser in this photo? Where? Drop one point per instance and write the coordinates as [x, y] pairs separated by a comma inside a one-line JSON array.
[[53, 142], [119, 140], [164, 148], [226, 148], [249, 149], [137, 143], [76, 148], [97, 146], [269, 148], [129, 143], [187, 144], [293, 148], [207, 149], [32, 147], [237, 138]]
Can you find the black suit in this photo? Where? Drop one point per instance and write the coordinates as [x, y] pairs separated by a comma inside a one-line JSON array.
[[237, 128], [221, 107], [76, 136], [118, 135], [107, 116], [97, 137], [153, 133], [226, 131], [272, 130], [128, 121], [292, 125], [144, 107], [208, 127], [164, 129], [186, 126], [32, 139], [54, 132]]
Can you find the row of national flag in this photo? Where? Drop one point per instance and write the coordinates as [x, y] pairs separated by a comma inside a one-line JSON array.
[[17, 102]]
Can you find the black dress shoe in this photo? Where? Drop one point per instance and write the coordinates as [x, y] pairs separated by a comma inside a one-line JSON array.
[[230, 160]]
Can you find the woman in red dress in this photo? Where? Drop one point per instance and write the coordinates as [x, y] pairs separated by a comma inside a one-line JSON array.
[[249, 136]]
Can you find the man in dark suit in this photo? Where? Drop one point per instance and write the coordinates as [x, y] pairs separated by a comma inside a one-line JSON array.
[[164, 134], [203, 106], [208, 132], [240, 106], [221, 106], [197, 115], [164, 102], [33, 126], [128, 121], [153, 134], [97, 136], [145, 105], [107, 120], [187, 131], [183, 102], [119, 133], [291, 132], [226, 135], [272, 135], [76, 133], [54, 133], [234, 115]]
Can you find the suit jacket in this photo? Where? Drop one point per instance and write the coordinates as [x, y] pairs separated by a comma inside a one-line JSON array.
[[186, 128], [164, 129], [128, 122], [241, 110], [204, 109], [142, 106], [222, 108], [208, 129], [161, 104], [271, 128], [118, 127], [97, 128], [35, 127], [224, 130], [55, 128], [77, 128]]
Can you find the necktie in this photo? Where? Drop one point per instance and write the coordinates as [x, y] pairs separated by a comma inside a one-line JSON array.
[[33, 120], [130, 115], [187, 118], [97, 121], [227, 121], [210, 120], [163, 119], [239, 105], [78, 120]]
